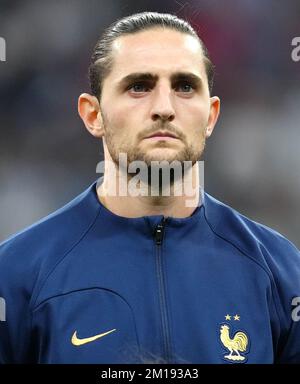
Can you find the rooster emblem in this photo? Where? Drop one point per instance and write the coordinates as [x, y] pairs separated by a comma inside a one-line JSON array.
[[238, 343]]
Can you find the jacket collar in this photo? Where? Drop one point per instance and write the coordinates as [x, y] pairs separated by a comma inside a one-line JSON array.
[[143, 221]]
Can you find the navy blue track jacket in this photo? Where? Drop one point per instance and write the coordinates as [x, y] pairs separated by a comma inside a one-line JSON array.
[[85, 285]]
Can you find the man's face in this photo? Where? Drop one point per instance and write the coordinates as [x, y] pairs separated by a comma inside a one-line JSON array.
[[157, 83]]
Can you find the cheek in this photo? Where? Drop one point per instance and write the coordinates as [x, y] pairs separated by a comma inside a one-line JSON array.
[[119, 127], [194, 124], [119, 117], [193, 121], [194, 113], [201, 113], [114, 119]]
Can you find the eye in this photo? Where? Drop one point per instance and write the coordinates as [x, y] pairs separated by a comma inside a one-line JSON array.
[[184, 87], [138, 87]]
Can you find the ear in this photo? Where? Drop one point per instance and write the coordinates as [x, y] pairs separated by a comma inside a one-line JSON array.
[[213, 115], [89, 111]]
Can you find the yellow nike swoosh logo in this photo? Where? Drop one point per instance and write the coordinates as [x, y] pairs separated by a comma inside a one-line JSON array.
[[76, 341]]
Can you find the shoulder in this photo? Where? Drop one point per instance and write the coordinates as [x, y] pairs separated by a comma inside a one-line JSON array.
[[244, 232], [268, 248], [31, 253], [276, 255]]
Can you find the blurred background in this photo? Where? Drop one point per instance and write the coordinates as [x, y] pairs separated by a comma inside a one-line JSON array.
[[47, 157]]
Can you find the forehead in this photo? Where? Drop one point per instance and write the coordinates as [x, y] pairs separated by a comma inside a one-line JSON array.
[[158, 50]]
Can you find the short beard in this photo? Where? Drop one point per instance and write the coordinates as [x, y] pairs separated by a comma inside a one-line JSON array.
[[188, 154]]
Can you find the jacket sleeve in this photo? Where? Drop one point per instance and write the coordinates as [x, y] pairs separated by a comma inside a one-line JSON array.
[[285, 265], [14, 304]]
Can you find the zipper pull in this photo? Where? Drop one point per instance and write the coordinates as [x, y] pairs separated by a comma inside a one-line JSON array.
[[159, 231]]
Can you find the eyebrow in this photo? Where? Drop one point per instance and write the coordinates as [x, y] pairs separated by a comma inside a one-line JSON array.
[[150, 77]]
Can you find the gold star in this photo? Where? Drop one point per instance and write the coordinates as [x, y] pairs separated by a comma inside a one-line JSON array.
[[227, 317], [237, 317]]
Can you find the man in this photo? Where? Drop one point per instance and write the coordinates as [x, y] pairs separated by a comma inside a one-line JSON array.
[[156, 276]]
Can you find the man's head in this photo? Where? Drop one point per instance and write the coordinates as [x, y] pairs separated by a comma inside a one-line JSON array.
[[102, 56], [150, 72]]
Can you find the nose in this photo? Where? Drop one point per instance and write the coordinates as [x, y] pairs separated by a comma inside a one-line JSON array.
[[162, 108]]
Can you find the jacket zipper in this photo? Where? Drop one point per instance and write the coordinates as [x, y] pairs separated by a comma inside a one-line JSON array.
[[159, 235]]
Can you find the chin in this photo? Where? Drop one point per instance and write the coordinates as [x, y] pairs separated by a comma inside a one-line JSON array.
[[164, 154]]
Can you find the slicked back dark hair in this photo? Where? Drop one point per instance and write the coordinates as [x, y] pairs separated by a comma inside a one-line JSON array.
[[102, 61]]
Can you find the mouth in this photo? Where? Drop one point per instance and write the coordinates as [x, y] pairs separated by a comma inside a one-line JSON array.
[[161, 135]]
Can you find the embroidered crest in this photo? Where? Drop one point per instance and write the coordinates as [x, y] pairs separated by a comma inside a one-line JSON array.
[[236, 343]]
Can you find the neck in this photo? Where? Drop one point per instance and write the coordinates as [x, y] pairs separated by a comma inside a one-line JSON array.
[[179, 201]]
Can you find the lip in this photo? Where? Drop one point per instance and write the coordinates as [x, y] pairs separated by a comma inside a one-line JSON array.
[[162, 135]]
